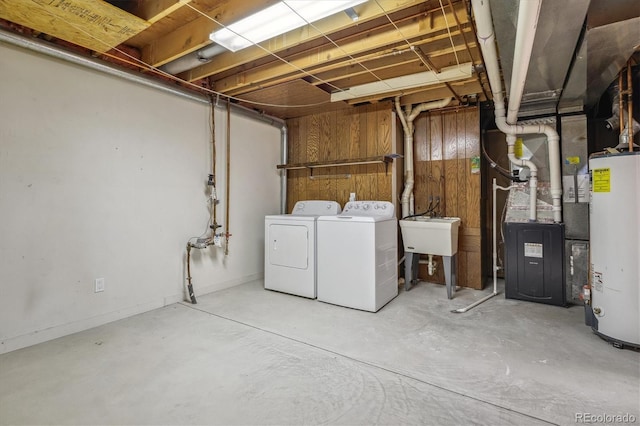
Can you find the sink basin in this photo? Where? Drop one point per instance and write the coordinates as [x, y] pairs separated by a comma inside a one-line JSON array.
[[430, 235]]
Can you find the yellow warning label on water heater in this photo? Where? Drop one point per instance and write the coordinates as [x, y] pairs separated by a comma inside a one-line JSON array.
[[601, 180]]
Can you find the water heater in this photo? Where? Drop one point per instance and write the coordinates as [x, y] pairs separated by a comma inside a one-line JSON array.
[[615, 246]]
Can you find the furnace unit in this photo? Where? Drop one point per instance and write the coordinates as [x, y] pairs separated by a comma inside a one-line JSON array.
[[534, 262]]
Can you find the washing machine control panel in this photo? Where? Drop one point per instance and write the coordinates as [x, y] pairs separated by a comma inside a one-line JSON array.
[[382, 209]]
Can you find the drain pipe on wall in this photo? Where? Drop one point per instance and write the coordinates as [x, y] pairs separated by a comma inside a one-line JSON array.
[[406, 118], [495, 253], [528, 14]]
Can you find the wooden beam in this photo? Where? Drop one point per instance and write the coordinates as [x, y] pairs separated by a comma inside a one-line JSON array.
[[154, 10], [264, 76], [409, 30], [94, 24], [195, 34], [462, 88], [367, 12], [390, 66], [351, 70]]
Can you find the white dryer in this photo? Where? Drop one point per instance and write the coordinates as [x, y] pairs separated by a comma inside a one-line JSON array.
[[290, 248], [358, 256]]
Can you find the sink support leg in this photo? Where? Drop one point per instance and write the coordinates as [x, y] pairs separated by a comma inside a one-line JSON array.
[[450, 273], [410, 269]]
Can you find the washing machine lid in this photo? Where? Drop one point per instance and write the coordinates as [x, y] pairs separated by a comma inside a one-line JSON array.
[[316, 208], [280, 218]]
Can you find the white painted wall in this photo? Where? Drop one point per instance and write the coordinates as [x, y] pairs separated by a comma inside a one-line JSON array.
[[100, 177]]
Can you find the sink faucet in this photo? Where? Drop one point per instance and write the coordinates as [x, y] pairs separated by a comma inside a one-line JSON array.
[[435, 210]]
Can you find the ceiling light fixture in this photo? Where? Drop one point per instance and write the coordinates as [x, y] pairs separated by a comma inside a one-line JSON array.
[[278, 19], [405, 82], [351, 13]]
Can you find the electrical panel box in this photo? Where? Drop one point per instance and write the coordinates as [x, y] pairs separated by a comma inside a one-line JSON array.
[[534, 262]]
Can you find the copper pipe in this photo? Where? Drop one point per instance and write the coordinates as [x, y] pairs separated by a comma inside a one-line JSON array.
[[629, 106], [620, 105]]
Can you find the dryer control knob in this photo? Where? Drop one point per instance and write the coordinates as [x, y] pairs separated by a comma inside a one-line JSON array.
[[365, 207]]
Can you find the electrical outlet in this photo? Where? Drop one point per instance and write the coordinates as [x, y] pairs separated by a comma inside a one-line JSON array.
[[99, 282]]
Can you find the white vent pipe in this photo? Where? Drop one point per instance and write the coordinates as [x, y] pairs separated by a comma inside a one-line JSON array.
[[406, 118], [528, 14]]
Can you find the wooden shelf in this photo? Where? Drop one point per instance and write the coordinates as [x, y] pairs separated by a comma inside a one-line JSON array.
[[379, 159]]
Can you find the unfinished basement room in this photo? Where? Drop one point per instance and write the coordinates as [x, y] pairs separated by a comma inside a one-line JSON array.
[[327, 212]]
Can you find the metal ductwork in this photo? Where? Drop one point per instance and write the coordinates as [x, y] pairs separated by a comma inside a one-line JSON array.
[[610, 38], [580, 48], [193, 59], [552, 53]]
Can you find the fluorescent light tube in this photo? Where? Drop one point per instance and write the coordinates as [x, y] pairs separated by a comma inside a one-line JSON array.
[[277, 19], [427, 78]]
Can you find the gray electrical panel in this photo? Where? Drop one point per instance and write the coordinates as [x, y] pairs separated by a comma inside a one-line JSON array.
[[534, 262]]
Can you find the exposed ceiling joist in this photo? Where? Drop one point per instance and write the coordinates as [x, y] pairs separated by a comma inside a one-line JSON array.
[[409, 30], [93, 24], [153, 11], [391, 38], [195, 34], [329, 26]]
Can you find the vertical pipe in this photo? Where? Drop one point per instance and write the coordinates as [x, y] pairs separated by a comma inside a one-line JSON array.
[[495, 187], [620, 104], [227, 184], [629, 106], [486, 40], [406, 118], [214, 200], [495, 239], [528, 14], [284, 139]]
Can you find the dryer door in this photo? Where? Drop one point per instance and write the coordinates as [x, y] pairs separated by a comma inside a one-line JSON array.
[[288, 245]]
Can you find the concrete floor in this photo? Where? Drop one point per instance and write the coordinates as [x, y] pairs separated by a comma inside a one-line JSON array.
[[249, 356]]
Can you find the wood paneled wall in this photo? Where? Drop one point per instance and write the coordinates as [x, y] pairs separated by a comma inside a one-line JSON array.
[[445, 143], [358, 132]]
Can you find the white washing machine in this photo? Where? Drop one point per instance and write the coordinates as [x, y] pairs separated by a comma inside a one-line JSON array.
[[358, 256], [290, 248]]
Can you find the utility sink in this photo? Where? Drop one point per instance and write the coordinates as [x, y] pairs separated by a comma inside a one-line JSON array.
[[430, 235]]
